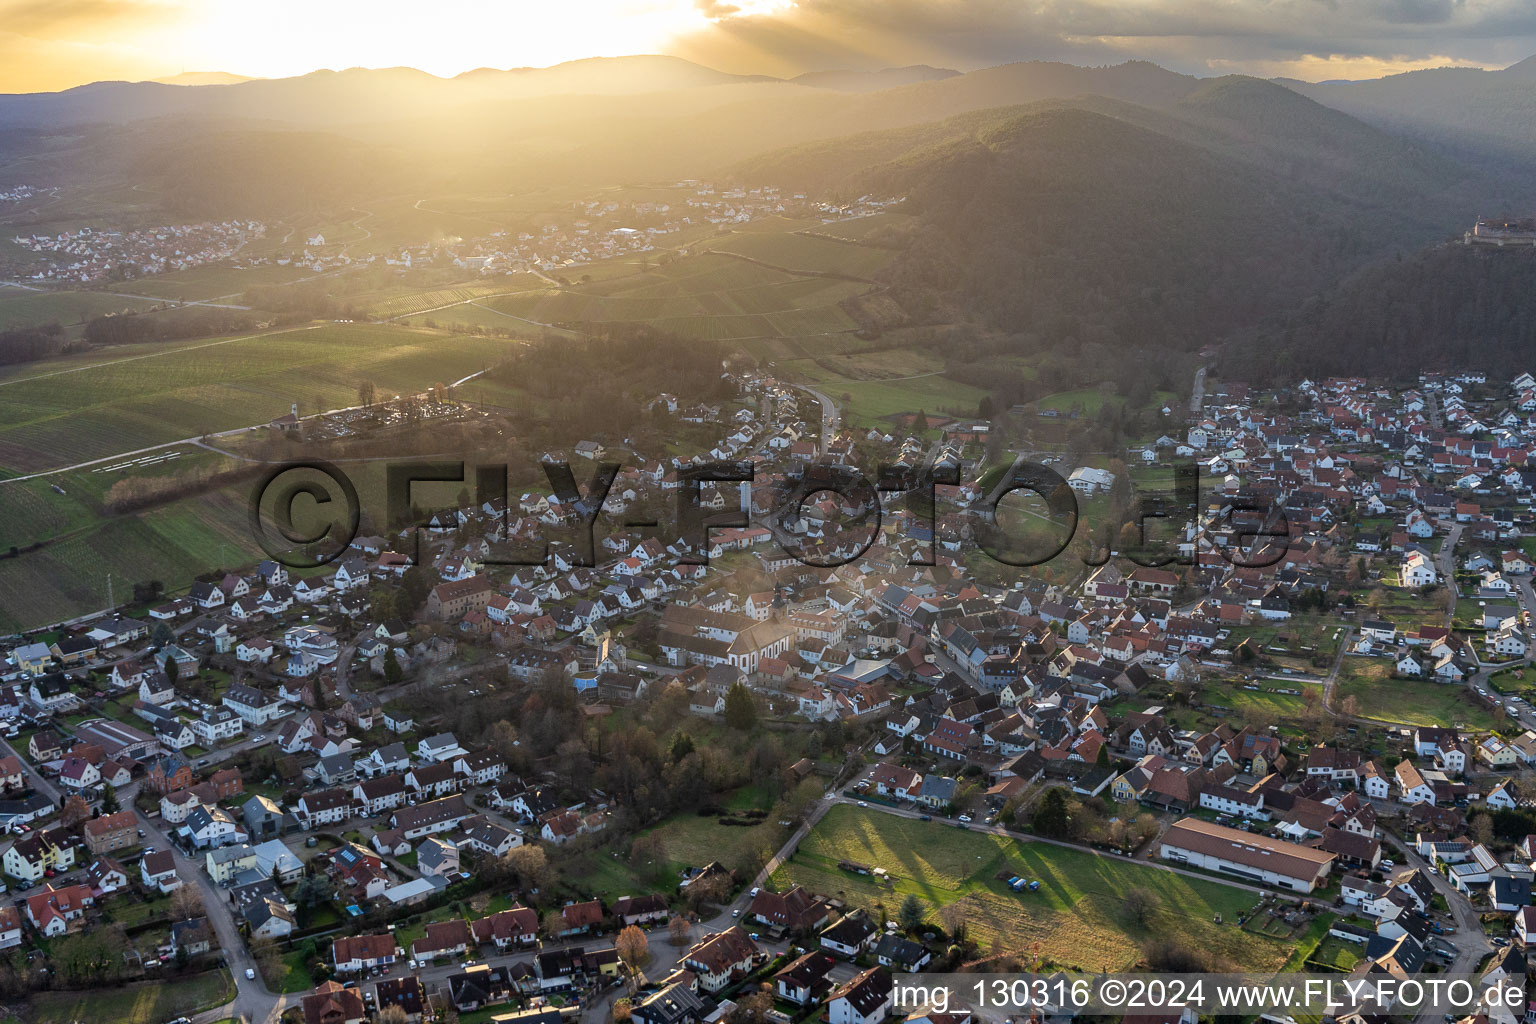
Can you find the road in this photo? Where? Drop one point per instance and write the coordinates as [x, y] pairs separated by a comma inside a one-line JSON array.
[[1470, 942], [1445, 565], [1197, 394], [252, 999], [829, 414]]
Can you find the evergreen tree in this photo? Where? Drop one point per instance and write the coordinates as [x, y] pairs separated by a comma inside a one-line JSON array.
[[740, 708], [1051, 817]]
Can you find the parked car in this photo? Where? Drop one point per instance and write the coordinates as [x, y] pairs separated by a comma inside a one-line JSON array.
[[250, 973]]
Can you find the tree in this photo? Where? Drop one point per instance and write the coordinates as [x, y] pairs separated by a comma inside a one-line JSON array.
[[633, 947], [1139, 904], [679, 930], [392, 671], [740, 708], [109, 801], [1481, 828], [186, 903], [1351, 706], [713, 888], [365, 392], [529, 865], [172, 670], [682, 745], [911, 913], [1051, 817], [393, 1014], [752, 1008], [76, 810]]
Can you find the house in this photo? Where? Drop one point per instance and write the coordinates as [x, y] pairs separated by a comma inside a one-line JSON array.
[[804, 980], [796, 911], [721, 958], [864, 999], [850, 936], [437, 858], [403, 993], [110, 832], [32, 856], [577, 918], [158, 871], [192, 938], [900, 953], [676, 1003], [354, 953], [443, 939], [331, 1003], [641, 910], [256, 707], [10, 927], [270, 919], [54, 912], [508, 929]]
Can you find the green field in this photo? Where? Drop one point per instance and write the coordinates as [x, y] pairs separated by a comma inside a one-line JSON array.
[[872, 402], [20, 307], [98, 404], [216, 281], [143, 1003], [689, 841], [1075, 920], [1406, 701], [707, 296], [1258, 703], [801, 251]]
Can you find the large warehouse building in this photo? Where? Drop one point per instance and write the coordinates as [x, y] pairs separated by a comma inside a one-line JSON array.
[[1257, 858]]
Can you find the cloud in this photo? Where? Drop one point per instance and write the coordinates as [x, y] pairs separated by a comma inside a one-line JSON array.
[[88, 18], [714, 10], [1201, 36]]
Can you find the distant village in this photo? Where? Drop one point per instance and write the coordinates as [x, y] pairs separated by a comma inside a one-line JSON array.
[[88, 256]]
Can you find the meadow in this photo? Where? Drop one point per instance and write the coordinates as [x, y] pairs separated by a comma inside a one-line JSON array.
[[1406, 701], [20, 307], [707, 296], [798, 251], [141, 1003], [1075, 920], [97, 404]]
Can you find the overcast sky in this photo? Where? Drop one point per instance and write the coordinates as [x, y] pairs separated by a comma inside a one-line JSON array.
[[51, 44]]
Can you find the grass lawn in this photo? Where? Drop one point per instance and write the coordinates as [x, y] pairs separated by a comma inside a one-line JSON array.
[[1406, 701], [143, 1003], [1075, 920], [295, 976], [689, 841], [1337, 954], [1248, 703]]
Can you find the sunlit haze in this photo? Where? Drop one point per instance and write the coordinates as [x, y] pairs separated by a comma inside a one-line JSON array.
[[47, 46]]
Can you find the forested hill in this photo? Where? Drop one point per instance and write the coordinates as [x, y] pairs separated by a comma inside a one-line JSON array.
[[1450, 307], [1110, 225]]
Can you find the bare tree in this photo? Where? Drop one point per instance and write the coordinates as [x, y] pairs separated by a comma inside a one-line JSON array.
[[186, 903], [1140, 902]]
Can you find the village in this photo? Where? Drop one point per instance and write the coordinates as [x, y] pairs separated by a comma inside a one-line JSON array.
[[392, 783], [588, 232], [88, 256]]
